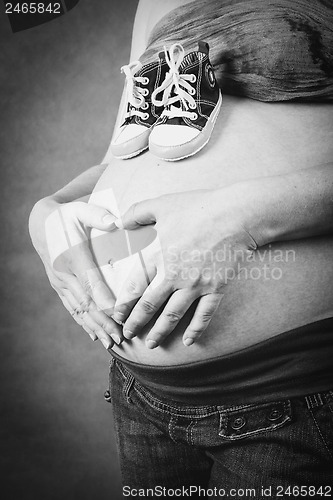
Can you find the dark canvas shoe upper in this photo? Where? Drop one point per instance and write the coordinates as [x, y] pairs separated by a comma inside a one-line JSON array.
[[140, 86], [190, 91], [141, 114]]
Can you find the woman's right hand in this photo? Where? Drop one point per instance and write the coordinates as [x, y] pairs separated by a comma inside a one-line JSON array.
[[59, 233]]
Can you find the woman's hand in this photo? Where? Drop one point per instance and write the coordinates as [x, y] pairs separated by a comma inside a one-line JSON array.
[[201, 240], [204, 236], [59, 233]]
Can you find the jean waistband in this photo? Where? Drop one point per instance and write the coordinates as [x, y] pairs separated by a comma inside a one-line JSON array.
[[292, 364]]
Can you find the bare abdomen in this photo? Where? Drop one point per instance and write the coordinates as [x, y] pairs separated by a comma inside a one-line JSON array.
[[288, 284]]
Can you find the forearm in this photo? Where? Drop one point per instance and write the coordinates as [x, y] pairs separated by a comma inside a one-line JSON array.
[[285, 207], [80, 187]]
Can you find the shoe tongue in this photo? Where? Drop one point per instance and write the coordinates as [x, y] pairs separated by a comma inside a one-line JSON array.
[[129, 119], [189, 59], [176, 120]]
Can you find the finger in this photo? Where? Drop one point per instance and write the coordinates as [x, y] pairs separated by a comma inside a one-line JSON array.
[[107, 325], [55, 281], [70, 286], [94, 216], [139, 277], [147, 306], [76, 257], [72, 311], [66, 228], [84, 267], [176, 307], [73, 304], [138, 214], [93, 326], [91, 334], [79, 303], [75, 311], [78, 318], [68, 301], [203, 314], [69, 304]]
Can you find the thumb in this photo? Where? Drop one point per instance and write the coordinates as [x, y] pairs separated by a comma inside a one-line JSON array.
[[95, 216], [138, 214]]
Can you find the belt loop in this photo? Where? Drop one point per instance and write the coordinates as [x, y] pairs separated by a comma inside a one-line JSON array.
[[314, 401]]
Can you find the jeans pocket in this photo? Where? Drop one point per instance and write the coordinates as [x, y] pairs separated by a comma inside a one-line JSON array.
[[245, 421]]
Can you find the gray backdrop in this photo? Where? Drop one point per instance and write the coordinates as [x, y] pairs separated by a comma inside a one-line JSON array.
[[60, 88]]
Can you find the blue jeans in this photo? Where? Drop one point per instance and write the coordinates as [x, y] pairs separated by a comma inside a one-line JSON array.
[[268, 450]]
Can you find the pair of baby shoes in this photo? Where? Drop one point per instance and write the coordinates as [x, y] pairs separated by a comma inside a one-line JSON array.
[[172, 105]]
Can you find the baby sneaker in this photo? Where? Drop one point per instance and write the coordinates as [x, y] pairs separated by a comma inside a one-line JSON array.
[[132, 137], [192, 101]]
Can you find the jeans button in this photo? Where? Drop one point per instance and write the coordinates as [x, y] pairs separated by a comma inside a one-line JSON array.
[[238, 423], [275, 415], [107, 396]]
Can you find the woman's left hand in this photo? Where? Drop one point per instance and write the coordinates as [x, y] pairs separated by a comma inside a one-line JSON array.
[[60, 235], [201, 240]]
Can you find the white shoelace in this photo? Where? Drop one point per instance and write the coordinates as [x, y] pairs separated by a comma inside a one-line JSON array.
[[178, 84], [134, 94]]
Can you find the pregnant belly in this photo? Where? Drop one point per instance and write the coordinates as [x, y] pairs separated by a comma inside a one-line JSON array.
[[285, 286]]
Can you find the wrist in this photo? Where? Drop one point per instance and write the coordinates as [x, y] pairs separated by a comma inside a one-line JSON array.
[[245, 202]]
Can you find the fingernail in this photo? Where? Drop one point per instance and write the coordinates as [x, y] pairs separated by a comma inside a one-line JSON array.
[[106, 343], [151, 344], [119, 224], [108, 219], [188, 341], [116, 338], [128, 334], [118, 317]]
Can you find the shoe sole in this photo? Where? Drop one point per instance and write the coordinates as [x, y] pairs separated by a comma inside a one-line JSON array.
[[159, 151], [132, 147], [130, 155]]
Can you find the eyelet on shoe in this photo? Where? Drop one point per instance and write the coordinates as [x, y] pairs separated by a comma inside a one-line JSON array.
[[193, 78], [145, 105], [192, 91], [145, 80], [193, 106], [145, 92], [194, 117], [145, 116]]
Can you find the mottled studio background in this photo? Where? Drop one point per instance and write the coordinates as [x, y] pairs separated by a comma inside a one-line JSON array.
[[60, 87]]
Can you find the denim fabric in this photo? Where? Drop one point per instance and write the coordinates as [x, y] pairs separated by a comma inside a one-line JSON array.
[[272, 445]]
